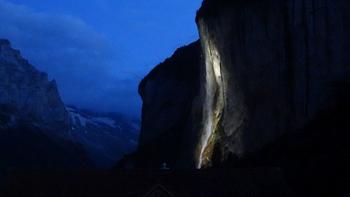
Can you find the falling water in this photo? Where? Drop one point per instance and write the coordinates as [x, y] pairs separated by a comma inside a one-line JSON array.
[[213, 100]]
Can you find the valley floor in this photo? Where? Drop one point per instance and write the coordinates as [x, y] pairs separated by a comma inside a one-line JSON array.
[[231, 182]]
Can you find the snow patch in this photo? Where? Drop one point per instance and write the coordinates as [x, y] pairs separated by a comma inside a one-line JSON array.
[[84, 120], [106, 121]]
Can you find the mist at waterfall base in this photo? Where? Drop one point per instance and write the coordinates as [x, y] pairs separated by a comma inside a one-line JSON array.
[[98, 57]]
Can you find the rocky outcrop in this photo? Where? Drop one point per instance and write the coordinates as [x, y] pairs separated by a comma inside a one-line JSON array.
[[34, 123], [168, 93], [26, 94], [271, 67]]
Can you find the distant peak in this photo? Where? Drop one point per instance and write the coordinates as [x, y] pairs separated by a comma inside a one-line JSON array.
[[4, 42]]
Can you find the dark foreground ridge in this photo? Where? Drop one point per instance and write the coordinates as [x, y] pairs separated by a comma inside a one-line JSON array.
[[139, 183]]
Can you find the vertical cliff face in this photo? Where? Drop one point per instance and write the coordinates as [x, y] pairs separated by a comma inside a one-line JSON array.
[[270, 68], [33, 120], [26, 95], [168, 93]]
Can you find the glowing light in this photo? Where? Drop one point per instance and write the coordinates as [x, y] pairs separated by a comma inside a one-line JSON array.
[[213, 104]]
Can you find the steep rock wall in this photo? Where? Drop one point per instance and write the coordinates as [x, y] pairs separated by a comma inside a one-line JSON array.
[[272, 65], [34, 123], [168, 112], [26, 94]]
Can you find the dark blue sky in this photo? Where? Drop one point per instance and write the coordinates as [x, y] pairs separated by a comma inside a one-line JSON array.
[[98, 50]]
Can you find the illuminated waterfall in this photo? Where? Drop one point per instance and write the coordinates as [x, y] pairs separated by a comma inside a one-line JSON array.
[[214, 100]]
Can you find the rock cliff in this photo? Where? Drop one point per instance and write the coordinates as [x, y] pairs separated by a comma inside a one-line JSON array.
[[271, 67], [34, 123], [273, 90], [168, 93], [26, 94]]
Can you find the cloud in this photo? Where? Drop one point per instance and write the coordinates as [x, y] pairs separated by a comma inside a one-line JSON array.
[[80, 59]]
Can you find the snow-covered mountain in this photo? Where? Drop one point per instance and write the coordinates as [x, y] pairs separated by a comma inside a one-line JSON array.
[[106, 137]]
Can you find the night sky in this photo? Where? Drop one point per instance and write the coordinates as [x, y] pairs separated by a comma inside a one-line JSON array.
[[98, 50]]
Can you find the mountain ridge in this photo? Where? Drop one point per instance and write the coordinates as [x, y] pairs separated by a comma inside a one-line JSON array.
[[31, 106]]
